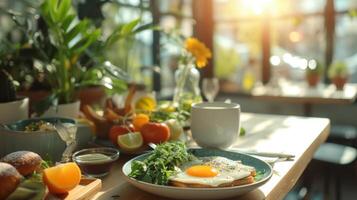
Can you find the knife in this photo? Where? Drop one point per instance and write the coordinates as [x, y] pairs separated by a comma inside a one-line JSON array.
[[266, 154]]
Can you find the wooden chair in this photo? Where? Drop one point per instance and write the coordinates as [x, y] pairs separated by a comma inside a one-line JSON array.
[[343, 134], [334, 157]]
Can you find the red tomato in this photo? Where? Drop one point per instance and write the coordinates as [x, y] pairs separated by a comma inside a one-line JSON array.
[[155, 132], [117, 130]]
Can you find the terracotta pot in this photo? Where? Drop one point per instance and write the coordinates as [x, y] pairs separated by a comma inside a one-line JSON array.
[[313, 79], [35, 96], [14, 110], [339, 82], [92, 95]]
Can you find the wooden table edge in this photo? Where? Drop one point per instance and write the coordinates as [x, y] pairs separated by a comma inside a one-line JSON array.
[[287, 182]]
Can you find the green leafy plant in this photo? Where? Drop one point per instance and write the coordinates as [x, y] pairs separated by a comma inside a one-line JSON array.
[[160, 165], [338, 69], [80, 58], [64, 52], [124, 36], [71, 37]]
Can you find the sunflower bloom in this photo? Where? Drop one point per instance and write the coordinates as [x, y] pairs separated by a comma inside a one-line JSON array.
[[199, 51]]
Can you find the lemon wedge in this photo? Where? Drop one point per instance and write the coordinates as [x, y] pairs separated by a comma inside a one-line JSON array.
[[130, 141]]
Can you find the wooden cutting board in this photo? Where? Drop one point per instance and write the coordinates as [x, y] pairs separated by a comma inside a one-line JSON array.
[[86, 189]]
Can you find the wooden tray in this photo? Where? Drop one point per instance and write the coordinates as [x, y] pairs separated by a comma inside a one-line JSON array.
[[86, 189]]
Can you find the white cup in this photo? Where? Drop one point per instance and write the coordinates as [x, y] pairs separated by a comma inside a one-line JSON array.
[[215, 124]]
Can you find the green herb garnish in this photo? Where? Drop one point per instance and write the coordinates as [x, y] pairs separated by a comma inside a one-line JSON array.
[[242, 131], [259, 175], [160, 165], [162, 116]]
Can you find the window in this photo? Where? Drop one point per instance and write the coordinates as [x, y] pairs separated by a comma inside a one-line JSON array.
[[297, 34]]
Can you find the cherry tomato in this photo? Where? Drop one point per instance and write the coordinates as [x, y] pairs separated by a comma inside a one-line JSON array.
[[155, 132], [117, 130]]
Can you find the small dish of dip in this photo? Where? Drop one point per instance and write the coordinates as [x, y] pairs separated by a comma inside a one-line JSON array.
[[96, 162]]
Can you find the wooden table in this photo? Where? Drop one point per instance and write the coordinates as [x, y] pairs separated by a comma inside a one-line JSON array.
[[288, 134], [302, 94]]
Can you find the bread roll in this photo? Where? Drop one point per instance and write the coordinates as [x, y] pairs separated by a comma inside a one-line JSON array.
[[26, 162], [9, 179]]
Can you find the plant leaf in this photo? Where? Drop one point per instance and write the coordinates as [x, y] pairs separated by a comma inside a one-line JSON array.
[[52, 8], [86, 41], [115, 36], [64, 7], [128, 28], [115, 71], [78, 28], [68, 21], [29, 189], [118, 86], [149, 26]]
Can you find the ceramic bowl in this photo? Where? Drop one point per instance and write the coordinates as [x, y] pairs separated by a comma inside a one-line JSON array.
[[47, 144], [94, 166]]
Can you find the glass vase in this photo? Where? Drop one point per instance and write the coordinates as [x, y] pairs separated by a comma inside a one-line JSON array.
[[187, 90]]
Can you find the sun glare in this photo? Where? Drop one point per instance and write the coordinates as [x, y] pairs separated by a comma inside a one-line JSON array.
[[257, 7], [295, 36]]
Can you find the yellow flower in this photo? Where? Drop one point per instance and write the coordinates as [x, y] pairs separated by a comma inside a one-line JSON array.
[[198, 50]]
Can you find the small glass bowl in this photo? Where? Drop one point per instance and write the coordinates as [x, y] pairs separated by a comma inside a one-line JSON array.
[[95, 166]]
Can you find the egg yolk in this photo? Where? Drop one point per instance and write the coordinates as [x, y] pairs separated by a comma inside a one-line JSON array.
[[202, 171]]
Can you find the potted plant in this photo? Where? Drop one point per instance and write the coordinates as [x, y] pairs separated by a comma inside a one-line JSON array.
[[313, 73], [71, 37], [12, 108], [98, 54], [338, 74]]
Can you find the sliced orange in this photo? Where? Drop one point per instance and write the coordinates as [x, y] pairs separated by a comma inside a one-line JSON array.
[[62, 178], [130, 141], [140, 120]]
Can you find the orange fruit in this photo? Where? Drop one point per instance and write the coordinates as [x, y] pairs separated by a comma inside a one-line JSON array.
[[140, 120], [62, 178]]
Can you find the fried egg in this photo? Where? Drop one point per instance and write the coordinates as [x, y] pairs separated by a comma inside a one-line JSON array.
[[211, 171]]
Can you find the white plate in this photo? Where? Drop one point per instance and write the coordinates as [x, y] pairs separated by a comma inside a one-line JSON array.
[[204, 193]]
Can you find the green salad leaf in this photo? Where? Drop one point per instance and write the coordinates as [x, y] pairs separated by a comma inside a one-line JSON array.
[[161, 163], [162, 116]]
